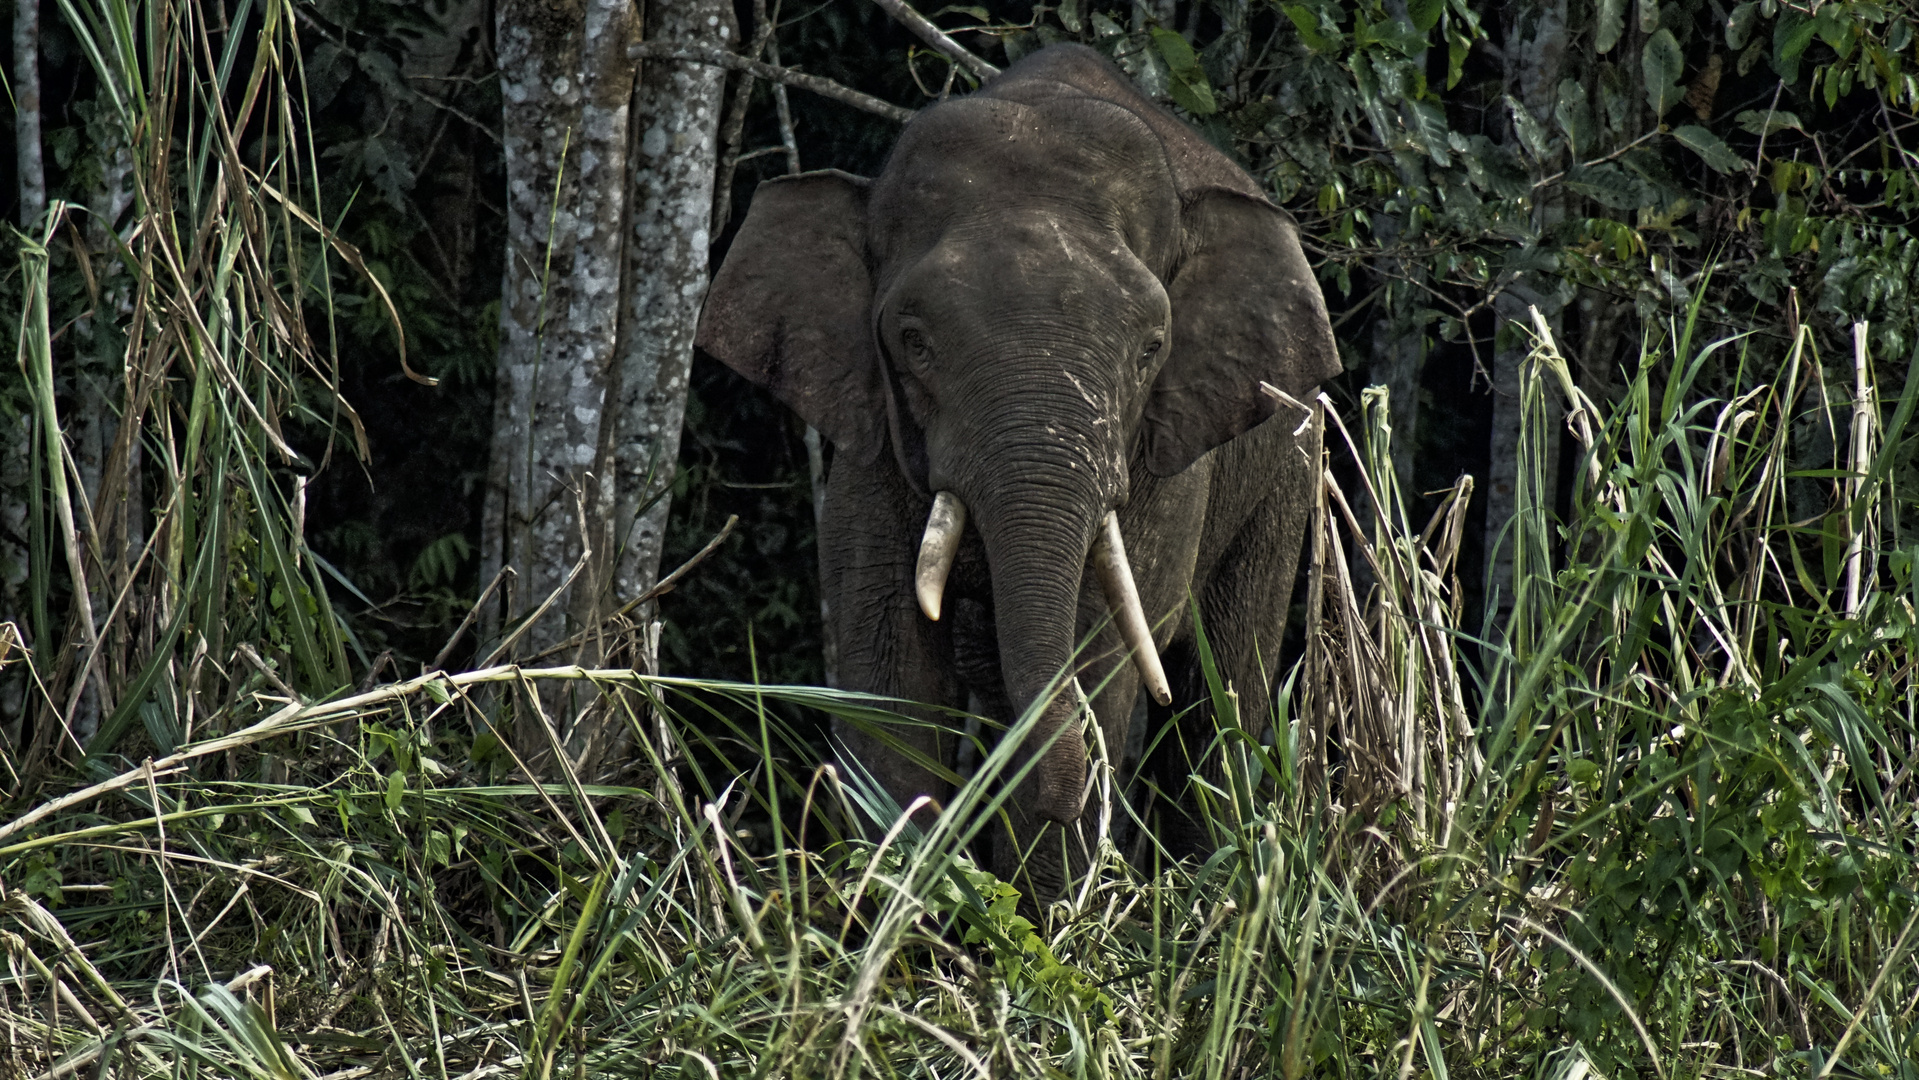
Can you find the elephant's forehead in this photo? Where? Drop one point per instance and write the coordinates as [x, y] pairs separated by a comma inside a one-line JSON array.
[[980, 157]]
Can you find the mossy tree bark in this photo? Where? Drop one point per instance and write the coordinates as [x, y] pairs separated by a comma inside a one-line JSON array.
[[567, 82], [674, 161], [610, 171]]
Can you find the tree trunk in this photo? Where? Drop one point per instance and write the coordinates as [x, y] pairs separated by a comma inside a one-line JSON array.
[[567, 83], [16, 474], [610, 188], [1535, 49], [16, 471], [26, 112], [677, 120]]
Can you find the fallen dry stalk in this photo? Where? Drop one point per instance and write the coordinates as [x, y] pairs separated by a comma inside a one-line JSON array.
[[296, 717]]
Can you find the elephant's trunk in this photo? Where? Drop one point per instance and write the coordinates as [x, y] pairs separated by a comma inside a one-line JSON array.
[[1037, 536], [946, 524]]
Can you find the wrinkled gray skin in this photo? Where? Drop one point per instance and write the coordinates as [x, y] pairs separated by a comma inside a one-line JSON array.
[[1054, 301]]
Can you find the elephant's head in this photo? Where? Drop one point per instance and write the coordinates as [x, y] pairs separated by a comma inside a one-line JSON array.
[[1024, 303]]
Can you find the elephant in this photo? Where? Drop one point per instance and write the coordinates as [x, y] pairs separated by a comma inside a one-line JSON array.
[[1035, 342]]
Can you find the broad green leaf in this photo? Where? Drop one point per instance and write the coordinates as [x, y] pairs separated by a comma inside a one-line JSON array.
[[1187, 85], [1364, 81], [1394, 34], [1306, 21], [1648, 16], [1834, 27], [1177, 50], [1425, 13], [1529, 259], [1663, 63], [1611, 24], [1790, 36], [1615, 97], [1428, 122], [1761, 122], [1069, 15], [1457, 46], [1740, 24], [1194, 95], [1609, 186], [1532, 134], [1711, 148], [1494, 168], [1574, 114]]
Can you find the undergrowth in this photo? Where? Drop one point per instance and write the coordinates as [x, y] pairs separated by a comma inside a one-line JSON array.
[[1659, 823], [1661, 827]]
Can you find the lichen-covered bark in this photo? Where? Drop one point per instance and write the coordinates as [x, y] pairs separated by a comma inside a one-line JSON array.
[[677, 124], [26, 113], [16, 471], [567, 84]]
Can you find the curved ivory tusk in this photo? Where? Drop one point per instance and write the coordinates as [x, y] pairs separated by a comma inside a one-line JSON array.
[[944, 527], [1122, 599]]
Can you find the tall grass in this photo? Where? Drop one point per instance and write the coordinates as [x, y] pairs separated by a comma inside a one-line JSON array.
[[1659, 824], [187, 548]]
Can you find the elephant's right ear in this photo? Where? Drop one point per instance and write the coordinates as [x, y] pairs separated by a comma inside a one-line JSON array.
[[789, 307]]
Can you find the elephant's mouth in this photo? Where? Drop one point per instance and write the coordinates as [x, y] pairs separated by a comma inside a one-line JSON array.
[[945, 529]]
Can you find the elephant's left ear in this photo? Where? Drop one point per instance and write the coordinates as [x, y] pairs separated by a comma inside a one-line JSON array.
[[1245, 308]]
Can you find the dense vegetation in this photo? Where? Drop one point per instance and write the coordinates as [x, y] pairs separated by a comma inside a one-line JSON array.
[[1641, 804]]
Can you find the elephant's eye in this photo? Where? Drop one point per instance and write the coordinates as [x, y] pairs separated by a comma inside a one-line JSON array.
[[918, 352], [1151, 350]]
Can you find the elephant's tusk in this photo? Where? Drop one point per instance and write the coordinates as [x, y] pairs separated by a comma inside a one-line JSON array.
[[1122, 599], [944, 527]]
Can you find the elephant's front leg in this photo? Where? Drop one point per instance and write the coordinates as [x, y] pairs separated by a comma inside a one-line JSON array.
[[869, 541]]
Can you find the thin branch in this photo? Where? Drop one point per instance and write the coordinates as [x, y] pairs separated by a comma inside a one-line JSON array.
[[785, 113], [827, 88], [734, 128], [472, 614], [267, 672], [923, 27], [297, 716]]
